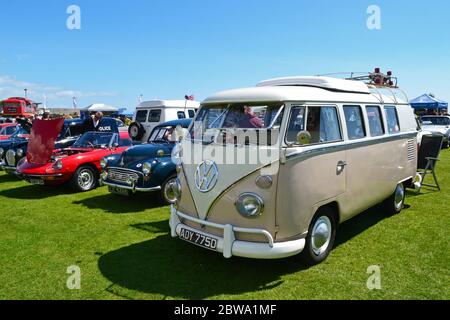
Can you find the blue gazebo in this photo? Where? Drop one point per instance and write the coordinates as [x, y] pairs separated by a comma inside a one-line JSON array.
[[427, 102]]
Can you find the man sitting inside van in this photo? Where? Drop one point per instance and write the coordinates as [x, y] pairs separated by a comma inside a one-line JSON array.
[[250, 119]]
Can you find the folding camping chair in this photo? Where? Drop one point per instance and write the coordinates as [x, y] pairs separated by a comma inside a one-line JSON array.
[[428, 157]]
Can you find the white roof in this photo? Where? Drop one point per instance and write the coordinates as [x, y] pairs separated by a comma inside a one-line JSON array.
[[319, 82], [304, 89], [169, 104], [100, 107]]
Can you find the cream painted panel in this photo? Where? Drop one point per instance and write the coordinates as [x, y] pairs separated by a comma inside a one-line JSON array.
[[228, 173], [304, 182]]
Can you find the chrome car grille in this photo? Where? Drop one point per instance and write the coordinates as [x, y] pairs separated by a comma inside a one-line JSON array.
[[11, 158], [122, 176]]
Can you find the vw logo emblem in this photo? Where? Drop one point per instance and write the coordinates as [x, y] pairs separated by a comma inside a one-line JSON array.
[[206, 176]]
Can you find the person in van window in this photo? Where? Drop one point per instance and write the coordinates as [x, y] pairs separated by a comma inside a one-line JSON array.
[[250, 119]]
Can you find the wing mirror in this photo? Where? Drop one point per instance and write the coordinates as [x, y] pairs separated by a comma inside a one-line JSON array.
[[180, 133], [304, 137], [115, 145]]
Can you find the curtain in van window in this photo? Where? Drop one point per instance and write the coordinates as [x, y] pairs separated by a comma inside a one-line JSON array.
[[329, 125]]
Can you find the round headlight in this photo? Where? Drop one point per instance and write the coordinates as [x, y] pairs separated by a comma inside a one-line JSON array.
[[250, 205], [103, 163], [19, 153], [146, 168], [58, 165], [1, 152]]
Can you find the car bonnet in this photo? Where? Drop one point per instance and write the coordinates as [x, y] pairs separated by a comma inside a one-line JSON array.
[[42, 140]]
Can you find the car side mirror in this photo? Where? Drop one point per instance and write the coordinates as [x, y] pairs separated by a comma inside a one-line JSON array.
[[180, 133], [115, 145], [304, 137]]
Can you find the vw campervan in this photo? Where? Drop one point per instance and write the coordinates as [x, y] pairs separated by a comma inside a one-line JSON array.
[[316, 152]]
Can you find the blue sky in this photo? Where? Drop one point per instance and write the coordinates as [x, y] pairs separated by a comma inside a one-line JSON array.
[[168, 48]]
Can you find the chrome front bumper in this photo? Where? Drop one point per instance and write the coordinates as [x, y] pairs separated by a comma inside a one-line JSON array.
[[132, 187], [229, 246], [7, 168]]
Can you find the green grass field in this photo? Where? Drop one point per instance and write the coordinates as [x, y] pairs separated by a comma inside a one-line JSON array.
[[124, 251]]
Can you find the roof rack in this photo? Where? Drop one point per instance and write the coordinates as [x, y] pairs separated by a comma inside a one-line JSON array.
[[376, 81]]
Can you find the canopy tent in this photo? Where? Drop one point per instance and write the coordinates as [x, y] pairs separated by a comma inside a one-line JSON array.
[[100, 107], [107, 110], [426, 101]]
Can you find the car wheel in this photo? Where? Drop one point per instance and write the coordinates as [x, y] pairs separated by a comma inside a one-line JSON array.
[[84, 179], [136, 131], [321, 236], [395, 203], [167, 196]]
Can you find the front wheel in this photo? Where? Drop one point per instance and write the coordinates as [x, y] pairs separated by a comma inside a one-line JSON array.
[[84, 179], [321, 236], [167, 195], [395, 203]]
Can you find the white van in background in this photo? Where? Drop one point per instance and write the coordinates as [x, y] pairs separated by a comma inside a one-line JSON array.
[[150, 114]]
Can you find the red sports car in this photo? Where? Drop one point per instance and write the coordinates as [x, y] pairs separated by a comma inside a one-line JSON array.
[[79, 164], [7, 130]]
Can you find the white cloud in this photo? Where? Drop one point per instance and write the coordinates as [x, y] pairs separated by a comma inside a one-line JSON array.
[[10, 86]]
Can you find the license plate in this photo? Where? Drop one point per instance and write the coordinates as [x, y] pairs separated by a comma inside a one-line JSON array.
[[119, 191], [199, 239], [38, 182]]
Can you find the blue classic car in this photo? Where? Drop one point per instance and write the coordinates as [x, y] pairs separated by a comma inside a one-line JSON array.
[[14, 150], [147, 167]]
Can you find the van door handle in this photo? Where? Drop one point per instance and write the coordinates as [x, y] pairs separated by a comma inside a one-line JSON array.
[[340, 167], [342, 164]]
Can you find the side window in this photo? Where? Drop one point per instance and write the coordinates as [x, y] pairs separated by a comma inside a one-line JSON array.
[[392, 119], [355, 123], [141, 116], [191, 114], [154, 116], [321, 125], [181, 115], [375, 121]]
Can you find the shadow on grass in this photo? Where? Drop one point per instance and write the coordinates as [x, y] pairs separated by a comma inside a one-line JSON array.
[[31, 192], [171, 267], [361, 223], [117, 204], [8, 178]]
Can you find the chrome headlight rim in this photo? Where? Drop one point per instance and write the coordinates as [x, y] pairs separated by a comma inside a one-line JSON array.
[[146, 168], [104, 163], [58, 165], [245, 202], [20, 152]]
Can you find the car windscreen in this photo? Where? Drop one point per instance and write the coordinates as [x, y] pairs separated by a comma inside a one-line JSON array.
[[437, 121], [20, 132], [236, 117], [163, 134], [96, 140]]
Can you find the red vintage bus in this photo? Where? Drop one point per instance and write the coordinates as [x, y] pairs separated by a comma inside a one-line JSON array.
[[18, 107]]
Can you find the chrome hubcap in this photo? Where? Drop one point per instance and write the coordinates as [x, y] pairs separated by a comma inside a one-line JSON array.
[[169, 194], [399, 196], [85, 179], [321, 235]]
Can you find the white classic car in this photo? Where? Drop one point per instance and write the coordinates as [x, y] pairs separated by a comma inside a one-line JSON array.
[[438, 124]]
